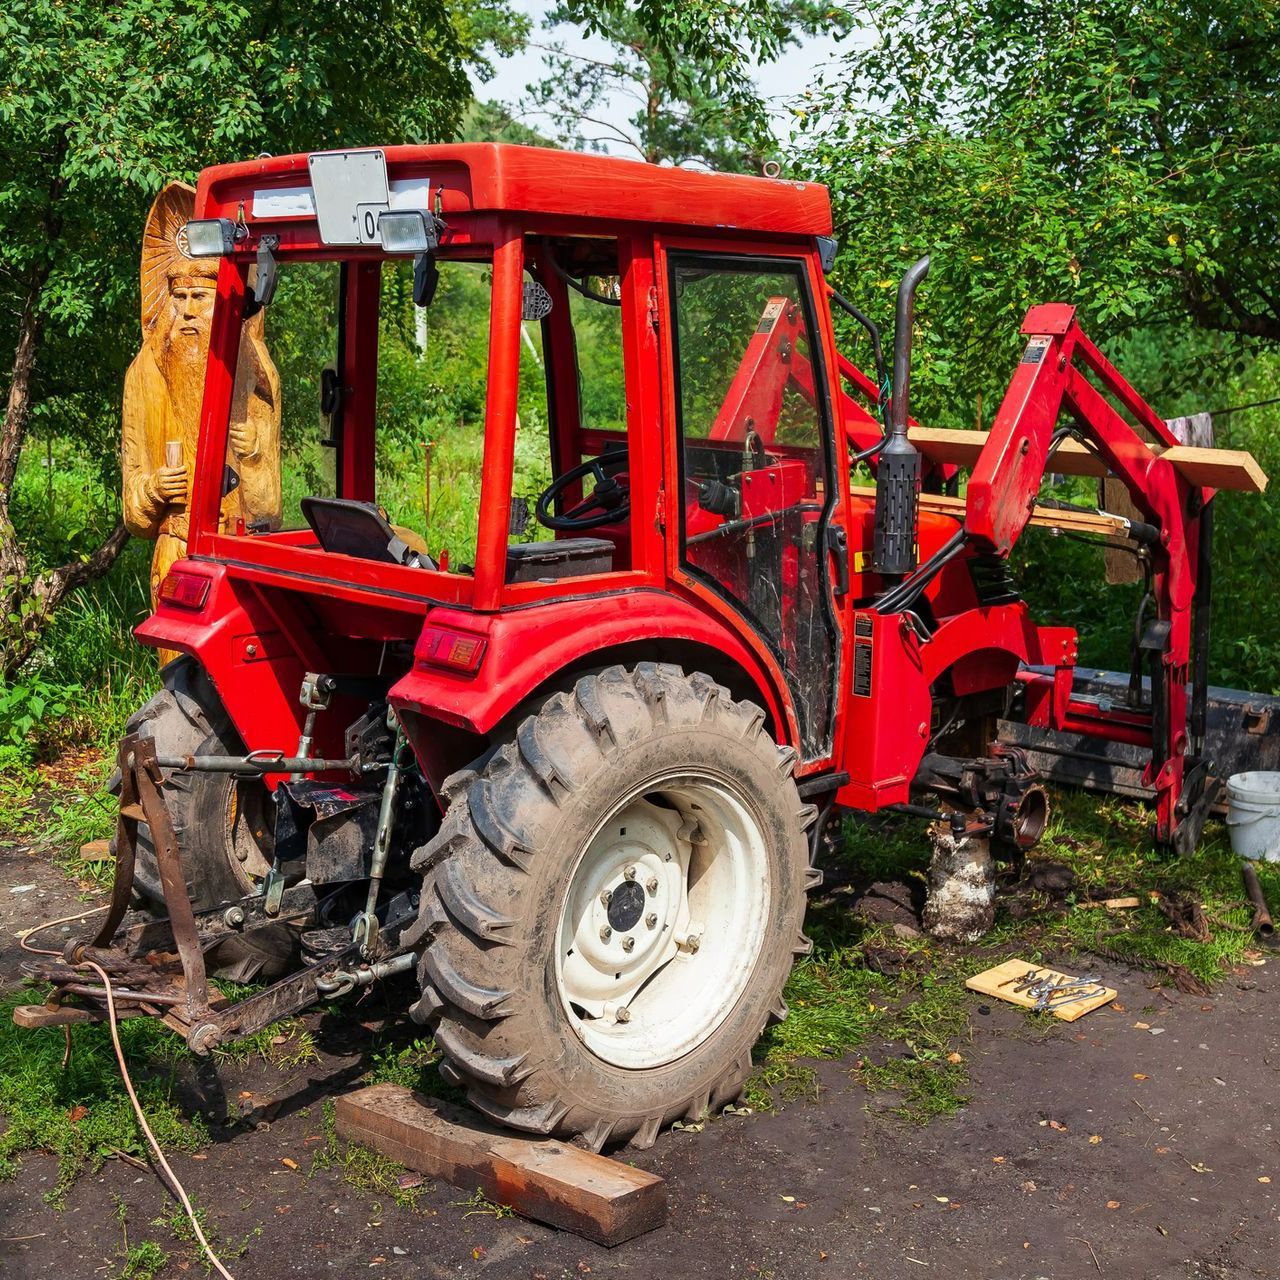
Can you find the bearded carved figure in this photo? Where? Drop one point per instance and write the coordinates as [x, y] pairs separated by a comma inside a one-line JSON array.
[[164, 389]]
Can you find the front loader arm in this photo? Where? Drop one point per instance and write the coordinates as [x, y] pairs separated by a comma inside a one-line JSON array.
[[1002, 492]]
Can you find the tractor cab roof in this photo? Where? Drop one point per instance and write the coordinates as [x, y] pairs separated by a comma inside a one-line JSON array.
[[496, 178]]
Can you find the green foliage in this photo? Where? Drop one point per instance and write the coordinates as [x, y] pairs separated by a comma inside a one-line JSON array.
[[88, 656], [24, 706], [404, 1064], [708, 44], [687, 70], [1114, 155], [102, 104]]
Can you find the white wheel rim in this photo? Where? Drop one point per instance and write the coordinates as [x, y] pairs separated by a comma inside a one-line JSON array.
[[663, 920]]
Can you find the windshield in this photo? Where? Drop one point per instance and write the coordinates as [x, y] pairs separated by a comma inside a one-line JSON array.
[[425, 384]]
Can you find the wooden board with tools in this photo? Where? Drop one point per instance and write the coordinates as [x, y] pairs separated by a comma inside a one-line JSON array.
[[1048, 990]]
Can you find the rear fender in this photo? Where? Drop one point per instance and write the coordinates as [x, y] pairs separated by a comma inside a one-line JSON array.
[[526, 649], [249, 660]]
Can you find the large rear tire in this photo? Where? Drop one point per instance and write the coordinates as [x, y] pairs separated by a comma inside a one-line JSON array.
[[223, 824], [612, 906]]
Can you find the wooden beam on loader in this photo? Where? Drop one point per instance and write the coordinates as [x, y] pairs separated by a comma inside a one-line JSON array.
[[1212, 468], [600, 1199], [1095, 522]]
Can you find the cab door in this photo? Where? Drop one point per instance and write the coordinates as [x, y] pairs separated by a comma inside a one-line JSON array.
[[755, 490]]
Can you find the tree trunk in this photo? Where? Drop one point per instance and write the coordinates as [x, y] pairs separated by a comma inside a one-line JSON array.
[[18, 409], [14, 573], [36, 605], [26, 603]]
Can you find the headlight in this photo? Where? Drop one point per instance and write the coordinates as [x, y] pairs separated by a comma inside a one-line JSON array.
[[210, 237], [406, 231]]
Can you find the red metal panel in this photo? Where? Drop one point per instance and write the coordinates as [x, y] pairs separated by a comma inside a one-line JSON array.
[[500, 418], [527, 647], [640, 369], [1009, 469], [260, 697], [889, 712], [497, 177], [215, 410], [360, 382]]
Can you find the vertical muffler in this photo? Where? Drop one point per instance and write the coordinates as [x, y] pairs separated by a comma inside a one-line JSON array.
[[898, 468]]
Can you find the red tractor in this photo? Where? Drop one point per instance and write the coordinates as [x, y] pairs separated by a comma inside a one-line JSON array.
[[577, 785]]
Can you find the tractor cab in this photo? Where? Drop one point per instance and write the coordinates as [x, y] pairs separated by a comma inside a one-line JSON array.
[[518, 379]]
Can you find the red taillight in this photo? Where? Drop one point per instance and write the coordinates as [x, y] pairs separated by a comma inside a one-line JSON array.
[[186, 590], [440, 647]]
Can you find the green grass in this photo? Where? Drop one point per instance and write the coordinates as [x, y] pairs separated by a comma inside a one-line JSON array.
[[415, 1065], [82, 1114], [1108, 844], [143, 1261], [906, 1030]]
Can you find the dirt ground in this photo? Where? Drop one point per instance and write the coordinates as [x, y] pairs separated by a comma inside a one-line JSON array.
[[1138, 1142]]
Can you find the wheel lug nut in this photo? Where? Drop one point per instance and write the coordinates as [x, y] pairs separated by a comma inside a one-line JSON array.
[[628, 944], [623, 1014], [629, 873], [606, 897], [605, 933], [652, 885], [651, 920]]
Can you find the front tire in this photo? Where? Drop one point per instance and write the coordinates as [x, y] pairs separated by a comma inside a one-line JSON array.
[[612, 906]]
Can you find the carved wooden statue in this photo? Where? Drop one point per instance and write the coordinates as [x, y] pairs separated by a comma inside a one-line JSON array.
[[163, 390]]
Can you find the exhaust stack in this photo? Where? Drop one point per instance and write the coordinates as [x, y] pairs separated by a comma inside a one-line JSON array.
[[898, 469]]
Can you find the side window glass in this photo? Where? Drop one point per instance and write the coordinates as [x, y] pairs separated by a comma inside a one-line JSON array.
[[302, 335], [432, 365], [755, 462]]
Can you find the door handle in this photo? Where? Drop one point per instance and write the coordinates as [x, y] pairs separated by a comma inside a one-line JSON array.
[[838, 547]]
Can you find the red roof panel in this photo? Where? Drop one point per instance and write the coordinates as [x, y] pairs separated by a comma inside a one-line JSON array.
[[490, 177]]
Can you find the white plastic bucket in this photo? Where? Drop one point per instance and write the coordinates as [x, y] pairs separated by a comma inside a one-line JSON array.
[[1253, 814]]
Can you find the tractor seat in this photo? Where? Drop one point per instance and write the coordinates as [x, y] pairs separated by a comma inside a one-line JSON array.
[[360, 529]]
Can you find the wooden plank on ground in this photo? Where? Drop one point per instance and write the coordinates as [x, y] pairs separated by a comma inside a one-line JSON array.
[[1235, 469], [96, 851], [601, 1199], [1000, 981], [43, 1015]]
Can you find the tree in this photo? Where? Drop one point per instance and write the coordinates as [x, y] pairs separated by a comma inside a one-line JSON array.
[[1122, 155], [693, 101], [101, 102]]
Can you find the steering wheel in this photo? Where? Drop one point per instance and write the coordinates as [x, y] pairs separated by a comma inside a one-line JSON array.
[[607, 503]]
